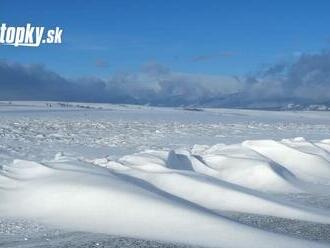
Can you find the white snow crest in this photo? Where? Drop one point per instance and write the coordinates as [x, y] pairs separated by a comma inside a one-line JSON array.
[[175, 195]]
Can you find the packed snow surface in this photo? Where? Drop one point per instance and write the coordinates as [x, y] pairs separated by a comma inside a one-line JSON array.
[[213, 177]]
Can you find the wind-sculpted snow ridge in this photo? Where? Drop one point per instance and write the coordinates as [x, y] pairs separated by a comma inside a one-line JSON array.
[[175, 195]]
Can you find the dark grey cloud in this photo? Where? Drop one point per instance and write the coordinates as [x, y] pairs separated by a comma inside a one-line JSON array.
[[154, 68], [304, 81], [210, 57], [100, 63], [153, 84], [31, 82], [35, 82]]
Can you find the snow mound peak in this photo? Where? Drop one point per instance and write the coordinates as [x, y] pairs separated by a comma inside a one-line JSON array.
[[175, 195]]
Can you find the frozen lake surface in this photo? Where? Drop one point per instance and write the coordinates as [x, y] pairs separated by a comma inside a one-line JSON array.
[[102, 175]]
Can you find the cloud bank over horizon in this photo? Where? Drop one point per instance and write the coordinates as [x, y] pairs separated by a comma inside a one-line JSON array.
[[304, 81]]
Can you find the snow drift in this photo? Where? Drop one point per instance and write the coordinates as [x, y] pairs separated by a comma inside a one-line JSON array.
[[174, 195]]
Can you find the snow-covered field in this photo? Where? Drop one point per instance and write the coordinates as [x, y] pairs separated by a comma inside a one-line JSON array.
[[101, 175]]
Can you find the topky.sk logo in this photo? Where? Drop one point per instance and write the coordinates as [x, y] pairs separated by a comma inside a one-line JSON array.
[[29, 36]]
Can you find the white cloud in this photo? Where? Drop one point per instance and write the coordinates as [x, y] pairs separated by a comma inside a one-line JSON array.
[[307, 80]]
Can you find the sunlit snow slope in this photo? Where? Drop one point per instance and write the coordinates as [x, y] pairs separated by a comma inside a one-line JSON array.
[[170, 192]]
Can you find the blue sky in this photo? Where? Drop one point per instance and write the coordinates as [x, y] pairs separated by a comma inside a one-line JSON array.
[[204, 37]]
